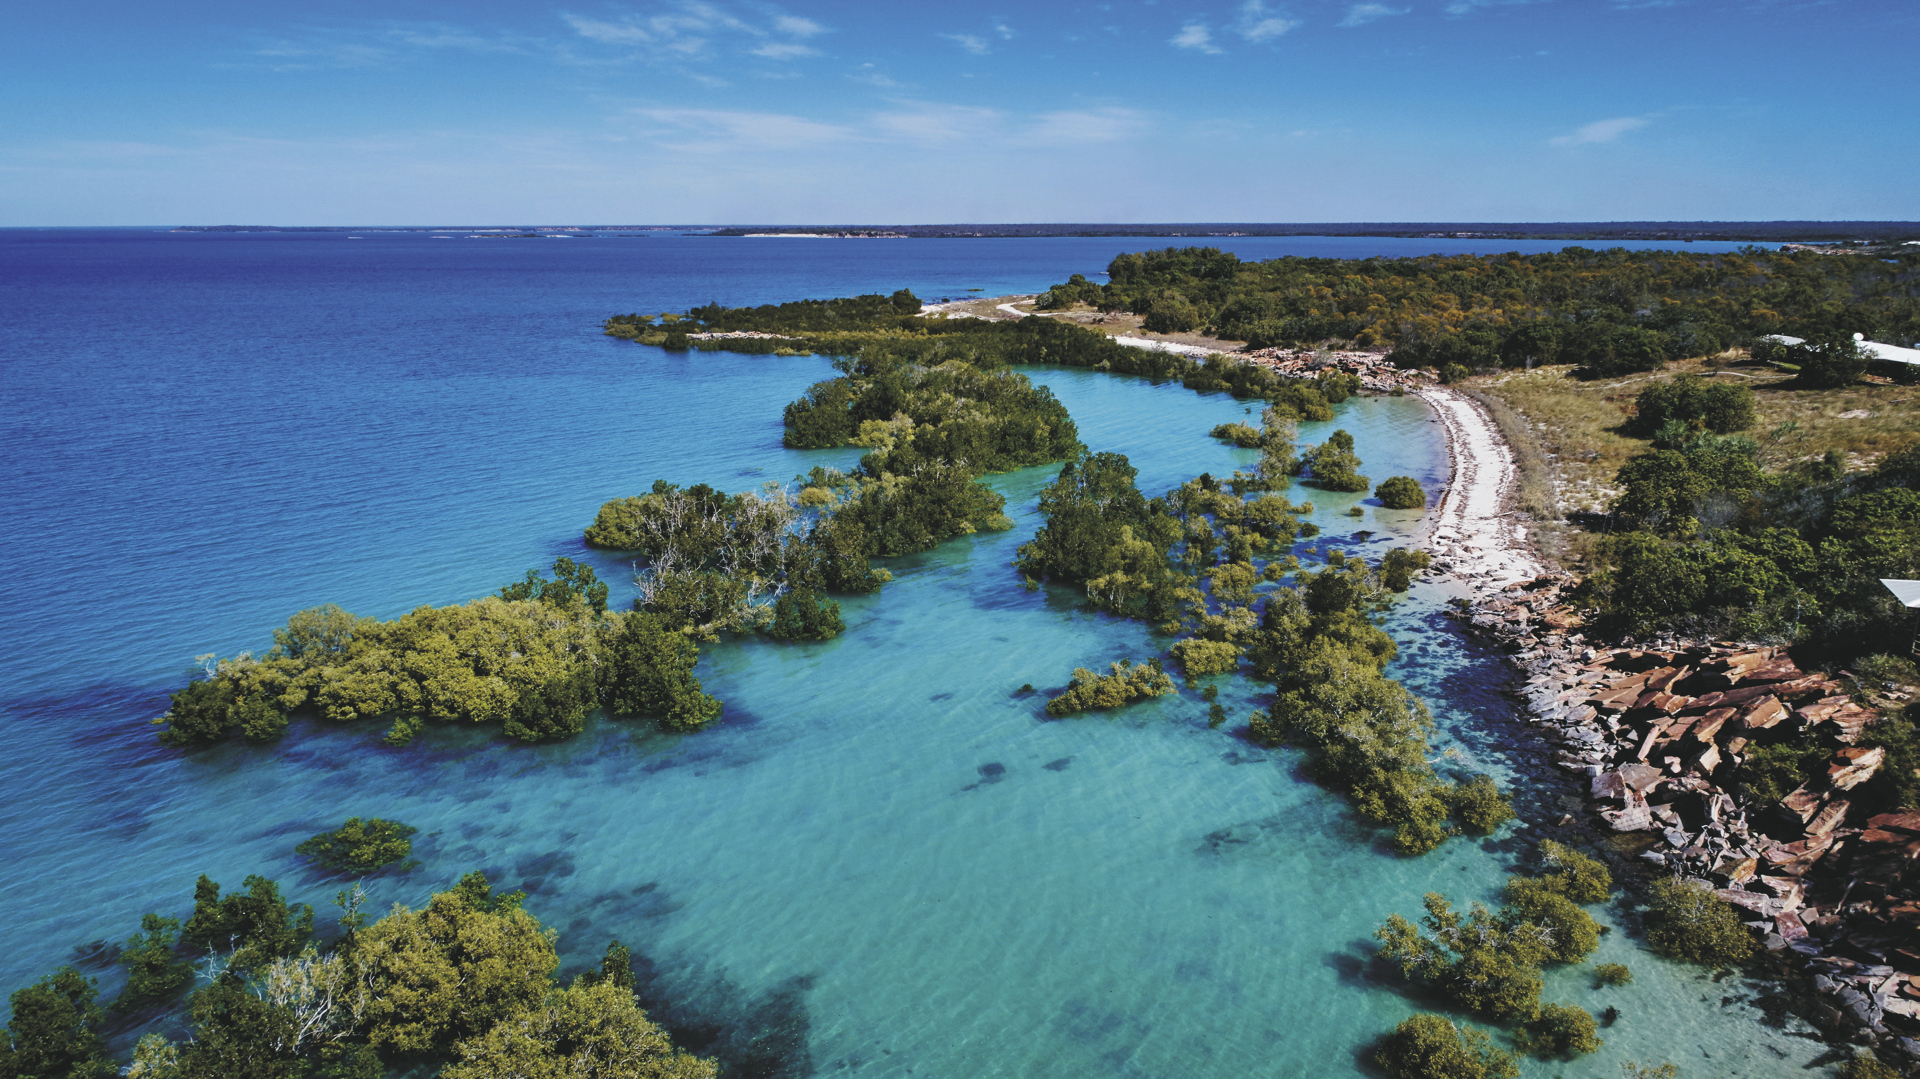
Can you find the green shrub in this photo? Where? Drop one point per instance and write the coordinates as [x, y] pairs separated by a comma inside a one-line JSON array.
[[1695, 404], [1479, 806], [1398, 567], [1431, 1047], [1611, 974], [1401, 493], [1125, 685], [1561, 1031], [1867, 1066], [1686, 921], [1334, 466], [1198, 657], [361, 846]]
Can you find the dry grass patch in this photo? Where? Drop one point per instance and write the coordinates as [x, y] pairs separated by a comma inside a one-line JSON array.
[[1577, 425]]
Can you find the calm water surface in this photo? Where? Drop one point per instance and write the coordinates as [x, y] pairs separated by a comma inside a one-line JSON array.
[[882, 861]]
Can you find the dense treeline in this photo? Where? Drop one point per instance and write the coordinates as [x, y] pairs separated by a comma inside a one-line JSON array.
[[888, 337], [1613, 310], [464, 985], [1716, 544], [535, 664]]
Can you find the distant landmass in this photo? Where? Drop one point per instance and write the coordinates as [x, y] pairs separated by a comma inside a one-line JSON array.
[[1757, 231]]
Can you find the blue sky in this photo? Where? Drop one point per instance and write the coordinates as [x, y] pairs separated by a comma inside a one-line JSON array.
[[702, 111]]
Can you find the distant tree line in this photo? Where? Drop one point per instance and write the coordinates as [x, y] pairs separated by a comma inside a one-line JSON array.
[[1610, 311]]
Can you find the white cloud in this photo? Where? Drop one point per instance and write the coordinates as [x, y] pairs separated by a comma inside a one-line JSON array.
[[929, 122], [707, 128], [1086, 125], [975, 45], [795, 26], [1257, 23], [1361, 14], [784, 50], [1600, 131], [1194, 36], [1007, 33], [689, 28]]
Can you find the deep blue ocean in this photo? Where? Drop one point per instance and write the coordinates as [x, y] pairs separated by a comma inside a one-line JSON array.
[[881, 861]]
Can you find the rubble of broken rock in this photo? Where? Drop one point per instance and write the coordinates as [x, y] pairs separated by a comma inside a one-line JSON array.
[[1659, 730]]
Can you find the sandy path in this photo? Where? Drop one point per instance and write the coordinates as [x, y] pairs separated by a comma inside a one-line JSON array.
[[1474, 532]]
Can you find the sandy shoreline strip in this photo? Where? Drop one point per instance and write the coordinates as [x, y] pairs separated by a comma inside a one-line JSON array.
[[1474, 532]]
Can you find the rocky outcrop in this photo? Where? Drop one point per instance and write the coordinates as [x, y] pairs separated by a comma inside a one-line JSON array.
[[1661, 731]]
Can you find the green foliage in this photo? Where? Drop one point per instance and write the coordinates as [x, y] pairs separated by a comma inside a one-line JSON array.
[[1333, 465], [1696, 404], [54, 1032], [805, 615], [1867, 1066], [1102, 533], [1125, 685], [649, 671], [1399, 566], [155, 973], [1490, 962], [256, 926], [451, 971], [572, 583], [1401, 493], [1829, 360], [1611, 974], [595, 1030], [1431, 1047], [1727, 550], [1367, 735], [361, 846], [1237, 433], [1198, 657], [535, 665], [1479, 806], [1560, 1031], [1614, 311], [1686, 921]]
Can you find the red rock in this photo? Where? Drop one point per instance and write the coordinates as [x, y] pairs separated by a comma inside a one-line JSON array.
[[1709, 725], [1829, 817], [1764, 714], [1898, 822], [1789, 926], [1802, 802], [1854, 766]]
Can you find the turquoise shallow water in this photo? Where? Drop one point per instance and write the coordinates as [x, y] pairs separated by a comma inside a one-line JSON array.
[[882, 862]]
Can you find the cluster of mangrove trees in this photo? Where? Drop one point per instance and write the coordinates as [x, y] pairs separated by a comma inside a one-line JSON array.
[[463, 988], [534, 664]]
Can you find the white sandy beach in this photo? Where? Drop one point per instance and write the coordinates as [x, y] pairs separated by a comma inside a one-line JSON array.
[[1474, 532]]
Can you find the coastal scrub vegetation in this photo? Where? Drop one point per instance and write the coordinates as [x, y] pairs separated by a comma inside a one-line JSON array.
[[1097, 692], [361, 846], [1431, 1047], [1401, 493], [1715, 543], [534, 666], [1333, 466], [876, 330], [1365, 734], [1686, 921], [464, 985], [1610, 312], [1205, 562], [1490, 962]]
